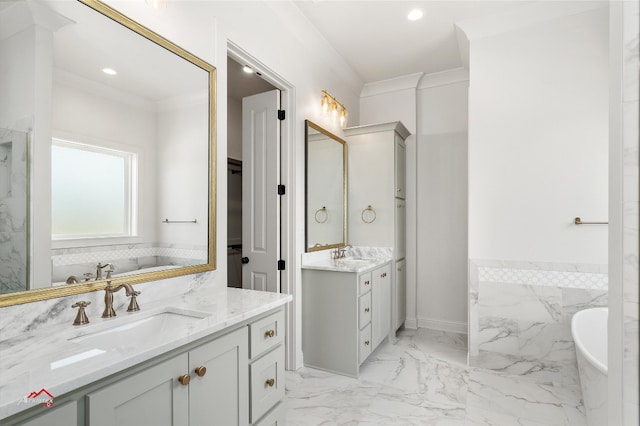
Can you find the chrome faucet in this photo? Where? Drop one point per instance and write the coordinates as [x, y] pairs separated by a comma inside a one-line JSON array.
[[100, 267], [109, 312]]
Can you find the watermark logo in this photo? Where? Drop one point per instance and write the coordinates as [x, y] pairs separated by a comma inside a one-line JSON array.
[[43, 397]]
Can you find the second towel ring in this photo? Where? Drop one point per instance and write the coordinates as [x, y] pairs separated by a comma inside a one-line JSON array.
[[320, 213], [370, 217]]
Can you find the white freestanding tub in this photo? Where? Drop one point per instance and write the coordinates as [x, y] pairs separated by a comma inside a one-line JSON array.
[[589, 330]]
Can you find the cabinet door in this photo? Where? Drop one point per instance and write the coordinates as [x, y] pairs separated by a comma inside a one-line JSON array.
[[66, 415], [151, 397], [401, 294], [381, 301], [400, 248], [400, 166], [220, 396]]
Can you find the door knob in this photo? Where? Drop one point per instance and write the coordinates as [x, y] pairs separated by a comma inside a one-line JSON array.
[[244, 260]]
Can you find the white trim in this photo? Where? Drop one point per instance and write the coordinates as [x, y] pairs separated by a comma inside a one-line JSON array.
[[288, 246], [442, 325], [411, 323], [443, 78], [392, 85], [524, 16]]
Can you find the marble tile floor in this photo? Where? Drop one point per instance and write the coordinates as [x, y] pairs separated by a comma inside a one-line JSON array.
[[424, 379]]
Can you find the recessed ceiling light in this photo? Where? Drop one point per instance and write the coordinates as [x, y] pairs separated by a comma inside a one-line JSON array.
[[247, 69], [109, 71], [415, 14]]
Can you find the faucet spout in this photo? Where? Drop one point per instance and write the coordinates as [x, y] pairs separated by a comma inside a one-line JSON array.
[[109, 312]]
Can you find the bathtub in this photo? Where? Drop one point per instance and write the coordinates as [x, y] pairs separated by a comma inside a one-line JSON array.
[[589, 330]]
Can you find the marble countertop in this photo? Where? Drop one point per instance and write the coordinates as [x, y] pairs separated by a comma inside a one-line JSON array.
[[47, 359], [348, 264]]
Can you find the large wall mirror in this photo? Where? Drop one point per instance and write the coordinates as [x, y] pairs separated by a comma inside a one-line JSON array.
[[108, 132], [326, 189]]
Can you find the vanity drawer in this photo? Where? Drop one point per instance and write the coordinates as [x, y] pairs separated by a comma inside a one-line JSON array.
[[365, 343], [364, 313], [266, 333], [267, 382], [364, 282]]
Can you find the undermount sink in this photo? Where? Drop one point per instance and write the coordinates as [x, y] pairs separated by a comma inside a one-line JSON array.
[[143, 330]]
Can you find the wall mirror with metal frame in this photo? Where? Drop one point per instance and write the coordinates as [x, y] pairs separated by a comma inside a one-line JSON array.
[[121, 126], [326, 189]]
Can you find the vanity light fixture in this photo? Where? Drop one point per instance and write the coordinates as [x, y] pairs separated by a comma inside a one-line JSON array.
[[415, 14], [109, 71], [157, 4], [338, 111]]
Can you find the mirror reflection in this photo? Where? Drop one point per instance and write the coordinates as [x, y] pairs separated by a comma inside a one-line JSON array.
[[122, 182], [326, 183]]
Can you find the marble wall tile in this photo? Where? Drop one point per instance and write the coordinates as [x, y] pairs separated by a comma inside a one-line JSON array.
[[519, 302]]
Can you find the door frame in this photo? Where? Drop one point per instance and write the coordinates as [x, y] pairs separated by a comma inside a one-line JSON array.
[[288, 201]]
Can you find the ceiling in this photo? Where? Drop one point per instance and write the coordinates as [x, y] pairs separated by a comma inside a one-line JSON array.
[[379, 42], [241, 84]]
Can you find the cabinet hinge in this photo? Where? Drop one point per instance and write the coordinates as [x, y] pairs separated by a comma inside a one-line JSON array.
[[281, 114], [280, 265], [281, 190]]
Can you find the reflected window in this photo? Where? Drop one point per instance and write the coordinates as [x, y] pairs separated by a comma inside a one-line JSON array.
[[93, 191]]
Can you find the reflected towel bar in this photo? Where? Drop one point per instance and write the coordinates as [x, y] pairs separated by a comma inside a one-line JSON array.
[[578, 221], [180, 221]]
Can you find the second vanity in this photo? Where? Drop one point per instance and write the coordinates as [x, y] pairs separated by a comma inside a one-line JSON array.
[[346, 305], [207, 358]]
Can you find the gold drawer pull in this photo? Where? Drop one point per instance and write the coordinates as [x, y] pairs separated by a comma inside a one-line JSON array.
[[384, 274], [366, 282], [184, 379], [270, 382], [366, 343], [270, 333], [366, 309], [201, 371]]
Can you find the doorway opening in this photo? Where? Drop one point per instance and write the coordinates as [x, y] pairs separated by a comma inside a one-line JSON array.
[[283, 162]]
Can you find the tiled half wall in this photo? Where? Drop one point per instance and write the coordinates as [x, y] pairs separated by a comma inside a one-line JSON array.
[[520, 315]]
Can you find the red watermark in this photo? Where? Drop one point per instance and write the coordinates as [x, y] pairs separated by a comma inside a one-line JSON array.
[[43, 397]]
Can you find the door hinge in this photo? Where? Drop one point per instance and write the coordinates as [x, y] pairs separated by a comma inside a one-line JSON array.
[[280, 265], [281, 190], [281, 114]]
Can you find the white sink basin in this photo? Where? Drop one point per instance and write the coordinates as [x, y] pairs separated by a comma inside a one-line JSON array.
[[142, 330]]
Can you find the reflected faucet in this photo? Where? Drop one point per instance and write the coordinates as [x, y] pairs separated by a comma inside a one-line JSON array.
[[109, 312], [100, 267]]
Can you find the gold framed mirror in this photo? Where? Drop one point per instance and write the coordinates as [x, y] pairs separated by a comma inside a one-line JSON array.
[[130, 120], [326, 189]]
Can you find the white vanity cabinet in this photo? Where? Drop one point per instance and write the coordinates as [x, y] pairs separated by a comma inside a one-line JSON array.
[[377, 192], [233, 378], [345, 317]]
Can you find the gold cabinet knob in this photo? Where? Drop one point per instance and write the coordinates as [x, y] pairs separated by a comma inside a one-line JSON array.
[[366, 343], [384, 274], [366, 282], [184, 379], [270, 333], [201, 371], [366, 309], [270, 382]]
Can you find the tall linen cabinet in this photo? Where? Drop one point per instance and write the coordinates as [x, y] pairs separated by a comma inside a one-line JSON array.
[[377, 206]]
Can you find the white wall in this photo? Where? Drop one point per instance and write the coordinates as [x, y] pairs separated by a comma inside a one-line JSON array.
[[538, 132], [182, 177], [442, 201]]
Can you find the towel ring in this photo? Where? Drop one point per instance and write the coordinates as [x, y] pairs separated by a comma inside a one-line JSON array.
[[320, 213], [371, 215]]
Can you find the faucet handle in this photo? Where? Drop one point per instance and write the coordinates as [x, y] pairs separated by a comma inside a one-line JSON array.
[[81, 318], [133, 304]]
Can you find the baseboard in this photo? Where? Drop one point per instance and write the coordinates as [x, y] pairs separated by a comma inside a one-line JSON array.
[[410, 323], [450, 326]]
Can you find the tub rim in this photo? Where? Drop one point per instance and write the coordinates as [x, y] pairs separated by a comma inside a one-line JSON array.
[[579, 343]]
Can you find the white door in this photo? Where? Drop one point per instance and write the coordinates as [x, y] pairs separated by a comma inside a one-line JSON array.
[[260, 199]]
